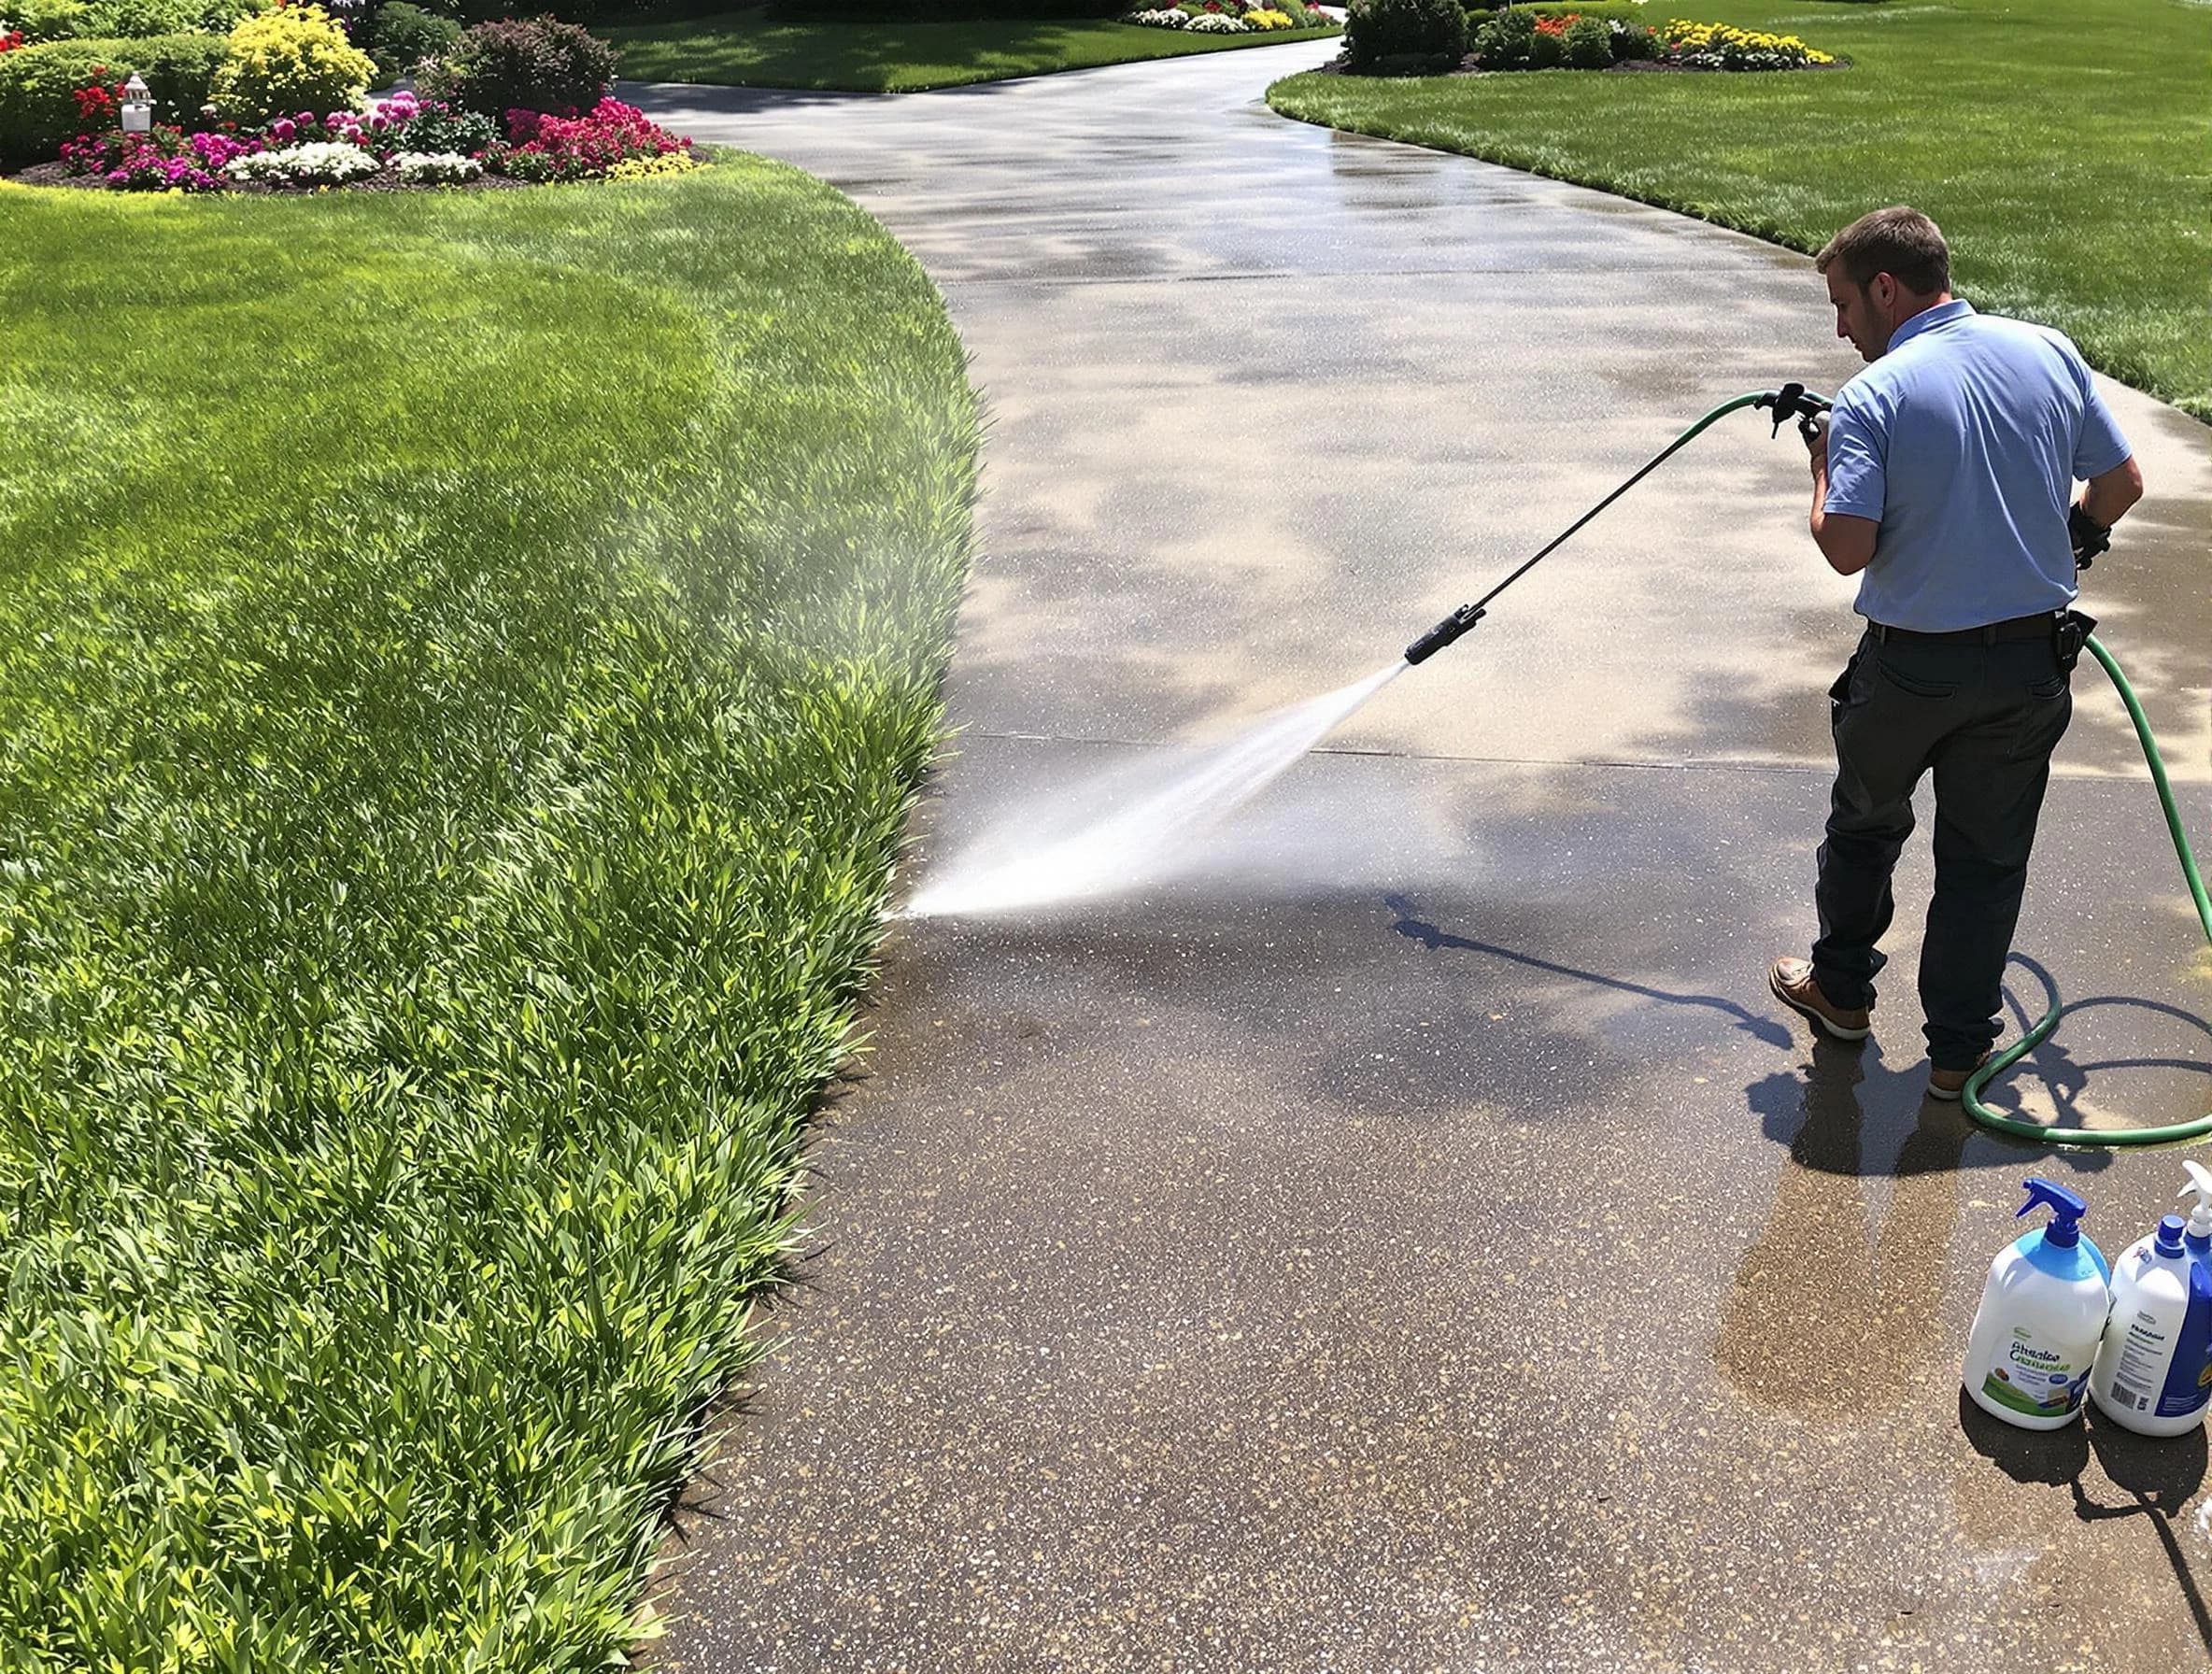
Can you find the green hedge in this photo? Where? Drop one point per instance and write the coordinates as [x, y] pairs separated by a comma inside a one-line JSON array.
[[37, 84]]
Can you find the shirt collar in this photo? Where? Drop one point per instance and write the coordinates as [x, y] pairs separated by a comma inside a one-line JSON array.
[[1928, 318]]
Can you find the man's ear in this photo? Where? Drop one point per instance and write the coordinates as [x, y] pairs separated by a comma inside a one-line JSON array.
[[1882, 289]]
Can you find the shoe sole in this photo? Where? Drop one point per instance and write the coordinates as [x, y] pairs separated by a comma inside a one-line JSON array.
[[1819, 1019], [1948, 1095]]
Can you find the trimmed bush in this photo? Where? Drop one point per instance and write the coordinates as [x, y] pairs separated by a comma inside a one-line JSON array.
[[1589, 44], [1406, 36], [122, 19], [524, 64], [296, 59], [37, 87], [1507, 42], [403, 36]]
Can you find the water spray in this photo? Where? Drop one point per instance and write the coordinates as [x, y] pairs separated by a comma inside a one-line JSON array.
[[1107, 853]]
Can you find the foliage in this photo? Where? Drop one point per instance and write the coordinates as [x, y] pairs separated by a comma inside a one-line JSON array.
[[1411, 32], [552, 147], [534, 64], [290, 58], [466, 664], [1218, 22], [440, 127], [1589, 44], [404, 34], [1507, 41], [121, 20], [39, 84]]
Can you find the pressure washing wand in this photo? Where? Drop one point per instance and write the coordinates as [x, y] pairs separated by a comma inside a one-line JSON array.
[[1793, 401], [1788, 402]]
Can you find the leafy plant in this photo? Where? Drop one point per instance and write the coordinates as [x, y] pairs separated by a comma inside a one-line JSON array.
[[534, 64], [294, 58], [553, 147], [1418, 34], [404, 35], [1507, 41], [1589, 43], [39, 84]]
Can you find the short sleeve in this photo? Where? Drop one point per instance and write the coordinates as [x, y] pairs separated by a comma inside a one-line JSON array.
[[1858, 443], [2100, 446]]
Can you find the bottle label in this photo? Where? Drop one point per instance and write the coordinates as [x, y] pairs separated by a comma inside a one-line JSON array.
[[2034, 1378]]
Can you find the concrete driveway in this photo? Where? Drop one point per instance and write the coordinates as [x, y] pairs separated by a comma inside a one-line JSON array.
[[1414, 1240]]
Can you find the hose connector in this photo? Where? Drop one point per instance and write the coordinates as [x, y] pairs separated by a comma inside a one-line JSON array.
[[1444, 633]]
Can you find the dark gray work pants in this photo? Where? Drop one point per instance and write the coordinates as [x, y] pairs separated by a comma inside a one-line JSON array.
[[1985, 718]]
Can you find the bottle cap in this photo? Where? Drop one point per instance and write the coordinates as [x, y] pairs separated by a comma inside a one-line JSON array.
[[2067, 1211]]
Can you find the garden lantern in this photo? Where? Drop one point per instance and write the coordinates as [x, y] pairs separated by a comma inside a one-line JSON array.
[[137, 105]]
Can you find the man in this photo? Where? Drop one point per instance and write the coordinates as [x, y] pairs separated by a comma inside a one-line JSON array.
[[1945, 482]]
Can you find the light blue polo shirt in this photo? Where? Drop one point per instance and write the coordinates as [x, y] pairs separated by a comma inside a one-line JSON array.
[[1965, 441]]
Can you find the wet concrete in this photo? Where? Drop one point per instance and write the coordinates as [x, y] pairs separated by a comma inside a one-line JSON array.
[[1414, 1240]]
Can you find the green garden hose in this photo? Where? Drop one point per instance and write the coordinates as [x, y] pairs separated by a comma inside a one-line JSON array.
[[1793, 401], [2171, 1132]]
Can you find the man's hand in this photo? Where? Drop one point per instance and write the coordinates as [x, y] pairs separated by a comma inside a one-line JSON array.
[[1816, 444]]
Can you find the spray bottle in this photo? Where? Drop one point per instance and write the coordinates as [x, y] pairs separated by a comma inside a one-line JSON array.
[[2042, 1315], [2153, 1371]]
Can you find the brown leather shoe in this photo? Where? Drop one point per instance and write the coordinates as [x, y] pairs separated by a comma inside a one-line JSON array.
[[1792, 984], [1950, 1084]]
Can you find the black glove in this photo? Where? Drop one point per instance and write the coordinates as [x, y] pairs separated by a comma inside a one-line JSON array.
[[2088, 537]]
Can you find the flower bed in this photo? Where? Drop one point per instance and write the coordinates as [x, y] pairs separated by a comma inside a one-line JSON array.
[[397, 143], [1231, 17], [1532, 39]]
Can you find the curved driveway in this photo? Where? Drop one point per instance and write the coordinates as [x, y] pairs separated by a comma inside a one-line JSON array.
[[1412, 1243]]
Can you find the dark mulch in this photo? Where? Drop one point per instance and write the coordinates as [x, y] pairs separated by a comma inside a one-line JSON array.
[[57, 174]]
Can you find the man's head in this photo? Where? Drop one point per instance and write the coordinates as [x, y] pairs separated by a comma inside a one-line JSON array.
[[1882, 270]]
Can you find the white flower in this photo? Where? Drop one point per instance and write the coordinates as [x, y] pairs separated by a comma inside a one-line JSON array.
[[423, 167], [323, 162]]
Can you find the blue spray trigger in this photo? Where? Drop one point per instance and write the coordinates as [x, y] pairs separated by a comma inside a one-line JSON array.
[[2067, 1211]]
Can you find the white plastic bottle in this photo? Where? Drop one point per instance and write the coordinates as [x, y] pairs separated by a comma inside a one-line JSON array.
[[2042, 1315], [2198, 1235], [2153, 1373]]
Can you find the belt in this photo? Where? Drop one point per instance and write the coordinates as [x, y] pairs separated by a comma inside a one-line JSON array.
[[2044, 624]]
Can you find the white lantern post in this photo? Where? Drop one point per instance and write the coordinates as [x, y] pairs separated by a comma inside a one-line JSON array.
[[137, 105]]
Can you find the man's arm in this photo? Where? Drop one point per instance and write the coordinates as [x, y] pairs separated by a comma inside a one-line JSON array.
[[1844, 541], [2107, 497]]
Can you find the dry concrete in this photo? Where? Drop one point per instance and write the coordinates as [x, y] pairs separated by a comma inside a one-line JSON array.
[[1413, 1241]]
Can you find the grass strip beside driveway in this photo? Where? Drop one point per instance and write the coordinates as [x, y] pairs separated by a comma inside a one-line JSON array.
[[464, 662], [748, 49], [2067, 151]]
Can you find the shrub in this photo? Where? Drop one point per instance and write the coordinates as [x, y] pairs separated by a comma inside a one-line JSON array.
[[121, 20], [1506, 42], [293, 59], [403, 36], [537, 64], [439, 127], [1547, 49], [1589, 44], [1417, 33], [39, 85]]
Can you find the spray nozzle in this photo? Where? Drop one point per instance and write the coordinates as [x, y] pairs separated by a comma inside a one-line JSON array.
[[1444, 633], [2067, 1211], [2199, 1212]]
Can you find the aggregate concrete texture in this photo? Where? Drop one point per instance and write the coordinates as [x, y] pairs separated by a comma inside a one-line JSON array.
[[1412, 1240]]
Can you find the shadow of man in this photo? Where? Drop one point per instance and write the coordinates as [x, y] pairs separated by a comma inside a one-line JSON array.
[[1831, 1315]]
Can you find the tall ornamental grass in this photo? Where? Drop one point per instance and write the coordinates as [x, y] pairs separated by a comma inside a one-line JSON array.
[[464, 660]]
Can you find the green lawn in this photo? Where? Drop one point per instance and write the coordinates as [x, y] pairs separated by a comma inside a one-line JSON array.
[[464, 662], [747, 48], [2067, 151]]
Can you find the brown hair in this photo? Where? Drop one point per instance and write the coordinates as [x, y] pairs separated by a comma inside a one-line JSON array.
[[1898, 241]]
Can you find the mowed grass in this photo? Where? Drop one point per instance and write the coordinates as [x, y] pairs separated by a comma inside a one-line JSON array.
[[749, 49], [2067, 151], [463, 663]]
